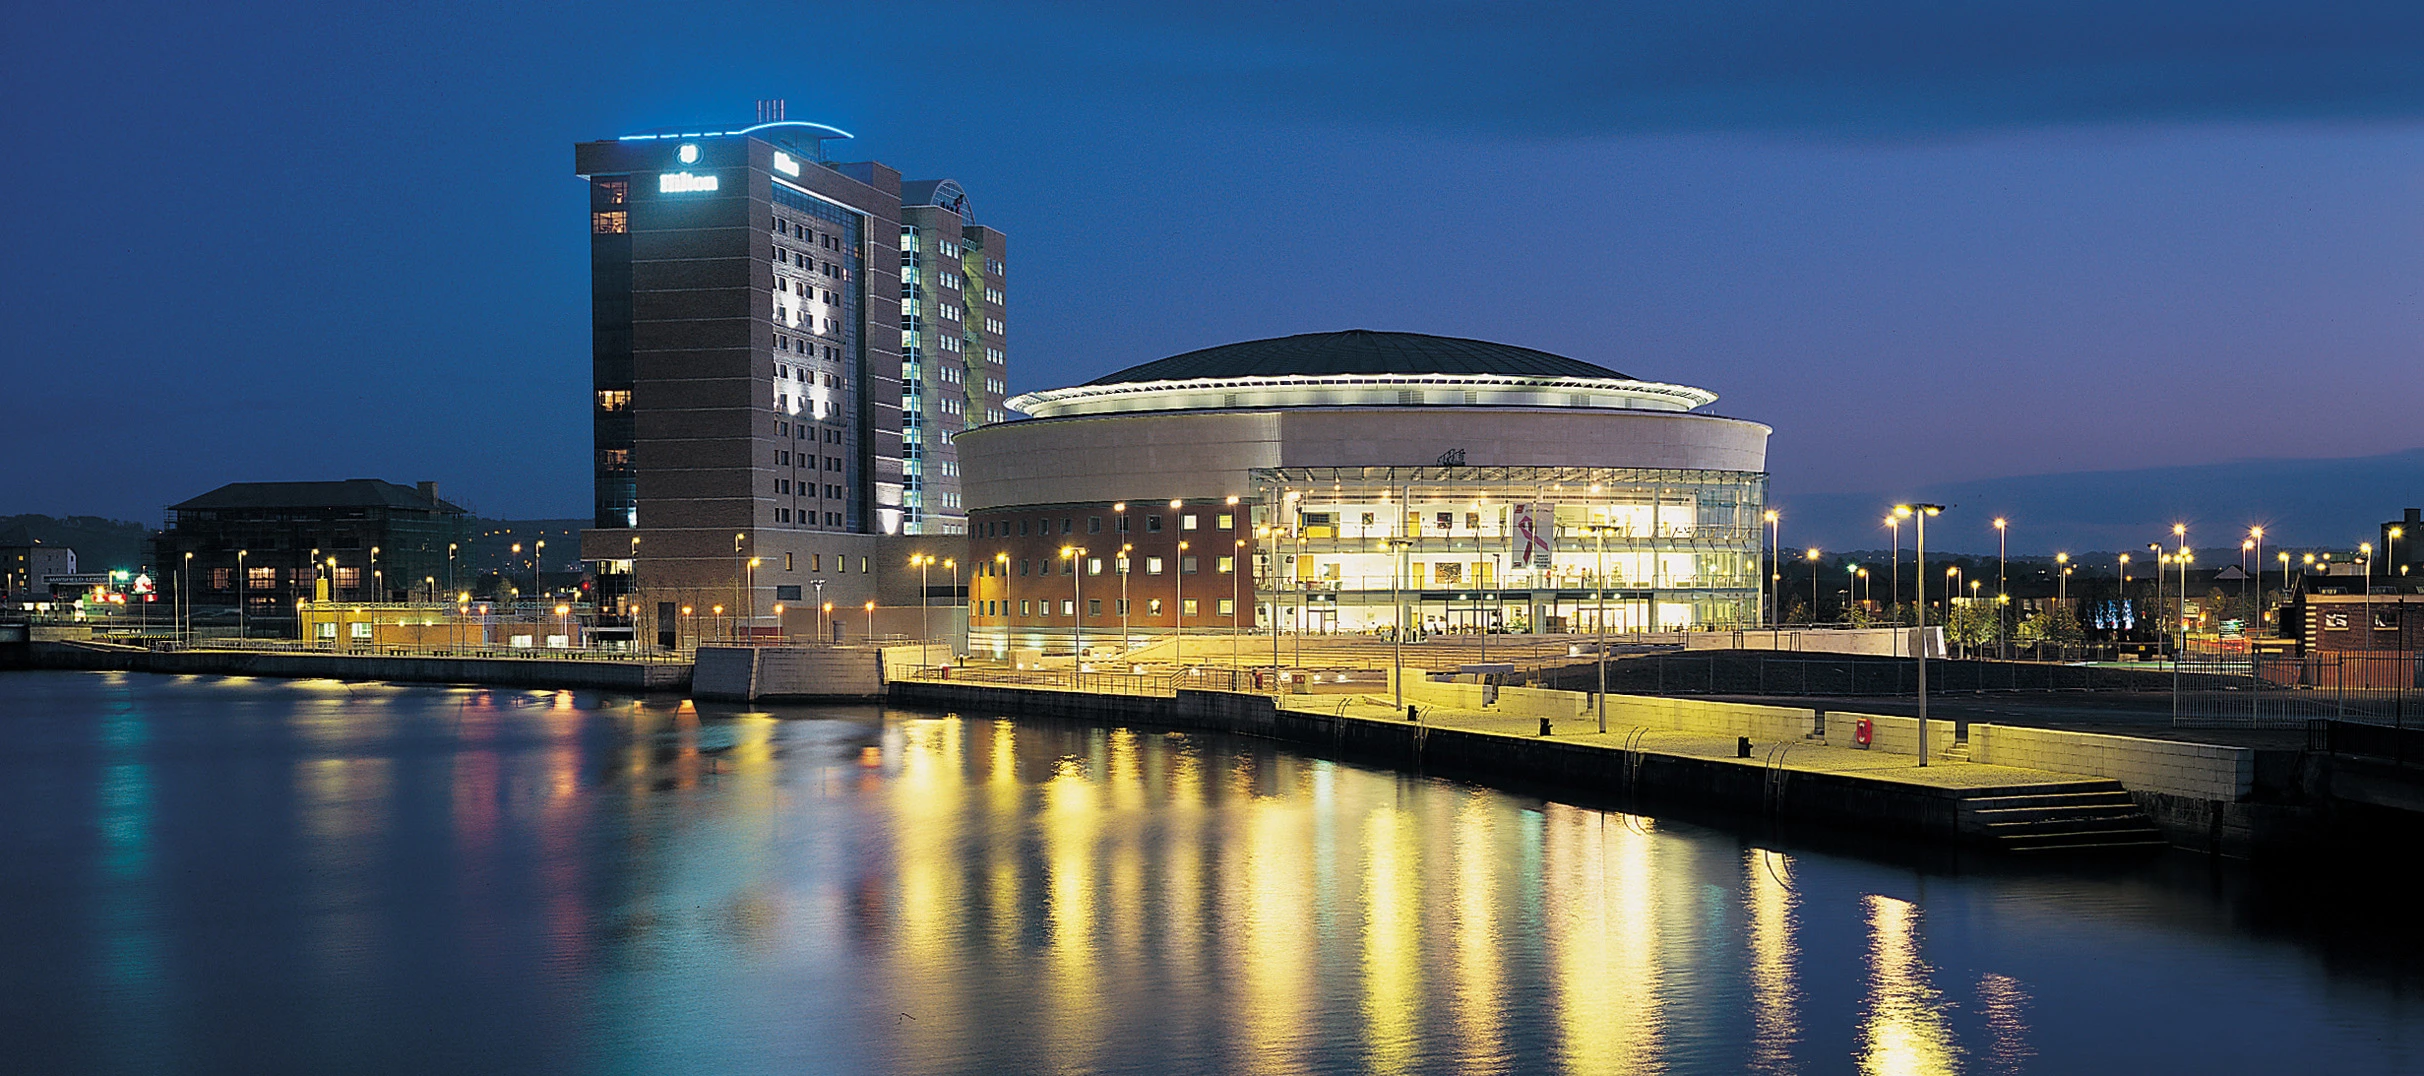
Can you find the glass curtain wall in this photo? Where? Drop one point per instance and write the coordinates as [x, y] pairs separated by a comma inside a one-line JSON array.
[[1508, 549]]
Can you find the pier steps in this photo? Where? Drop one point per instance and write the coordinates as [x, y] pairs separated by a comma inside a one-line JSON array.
[[2080, 816]]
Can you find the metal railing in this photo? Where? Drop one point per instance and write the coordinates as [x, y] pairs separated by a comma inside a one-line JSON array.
[[2268, 691], [364, 649]]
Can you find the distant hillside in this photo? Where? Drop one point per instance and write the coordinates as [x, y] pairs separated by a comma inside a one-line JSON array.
[[100, 544]]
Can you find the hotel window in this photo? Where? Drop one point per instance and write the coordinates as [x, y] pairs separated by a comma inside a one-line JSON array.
[[1226, 607], [787, 566], [614, 399], [1094, 524], [1094, 565], [1123, 606], [1186, 608], [612, 222], [614, 191], [1186, 522], [1227, 565], [1068, 607], [1153, 523], [1153, 565], [1094, 607], [1025, 607], [1186, 565], [1153, 606], [816, 562], [1227, 522]]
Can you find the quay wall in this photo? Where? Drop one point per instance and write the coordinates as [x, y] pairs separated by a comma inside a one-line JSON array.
[[633, 676], [1740, 785]]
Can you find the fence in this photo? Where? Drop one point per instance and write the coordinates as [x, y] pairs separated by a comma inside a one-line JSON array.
[[1787, 673], [2403, 746], [2285, 692]]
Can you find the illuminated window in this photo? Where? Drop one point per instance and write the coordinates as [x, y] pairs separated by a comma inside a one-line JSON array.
[[1094, 565], [1227, 565], [1068, 607], [1153, 565], [615, 458], [1226, 607], [615, 222], [614, 399], [1153, 606], [1229, 522], [1186, 522], [613, 191], [1186, 608]]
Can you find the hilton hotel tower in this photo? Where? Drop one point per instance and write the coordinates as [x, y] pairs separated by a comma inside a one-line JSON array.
[[784, 348]]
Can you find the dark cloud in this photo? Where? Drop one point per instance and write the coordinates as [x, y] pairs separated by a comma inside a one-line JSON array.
[[1875, 68]]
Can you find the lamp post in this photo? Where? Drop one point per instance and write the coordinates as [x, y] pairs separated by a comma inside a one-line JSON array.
[[952, 563], [2180, 531], [1397, 638], [1237, 566], [1812, 556], [871, 623], [1851, 588], [1599, 595], [1178, 602], [1768, 574], [1920, 512], [2283, 556], [378, 590], [1001, 571], [2256, 535], [185, 593], [925, 630], [2364, 553], [1895, 525], [1076, 555], [737, 538], [240, 591], [538, 566], [450, 561], [1124, 549], [2162, 629], [750, 588], [2002, 595], [824, 616]]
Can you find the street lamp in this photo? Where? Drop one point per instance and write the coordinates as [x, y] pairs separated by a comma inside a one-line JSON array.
[[1236, 570], [2062, 580], [378, 588], [953, 564], [751, 590], [824, 617], [1397, 639], [1077, 608], [240, 588], [737, 538], [1124, 549], [871, 623], [450, 561], [1178, 607], [1768, 593], [185, 593], [1812, 557], [2002, 595], [922, 562], [1920, 512]]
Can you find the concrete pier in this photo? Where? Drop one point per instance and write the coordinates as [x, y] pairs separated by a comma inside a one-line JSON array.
[[632, 676], [1800, 780]]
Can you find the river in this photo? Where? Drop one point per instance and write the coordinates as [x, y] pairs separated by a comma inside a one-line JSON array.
[[214, 874]]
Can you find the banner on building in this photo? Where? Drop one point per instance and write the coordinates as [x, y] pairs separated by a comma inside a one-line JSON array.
[[1535, 534]]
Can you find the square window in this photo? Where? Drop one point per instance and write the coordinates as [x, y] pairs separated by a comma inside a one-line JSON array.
[[1123, 523], [1068, 607], [1186, 608], [1153, 565], [1094, 607], [1094, 524], [1153, 606], [1024, 607], [1227, 521], [1152, 523], [1226, 607], [1094, 565], [1186, 565], [1227, 565], [1186, 522]]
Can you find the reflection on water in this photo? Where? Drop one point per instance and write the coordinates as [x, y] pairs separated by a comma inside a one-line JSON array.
[[268, 876]]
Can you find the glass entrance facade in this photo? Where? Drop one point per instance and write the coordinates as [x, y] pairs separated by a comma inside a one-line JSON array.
[[1514, 549]]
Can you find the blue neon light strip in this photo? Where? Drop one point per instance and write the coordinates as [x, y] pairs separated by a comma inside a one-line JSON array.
[[837, 132]]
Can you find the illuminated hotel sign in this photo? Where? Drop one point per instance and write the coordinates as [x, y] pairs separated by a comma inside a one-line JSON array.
[[784, 163], [683, 183]]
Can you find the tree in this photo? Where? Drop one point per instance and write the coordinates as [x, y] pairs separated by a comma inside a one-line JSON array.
[[2056, 627], [1971, 625]]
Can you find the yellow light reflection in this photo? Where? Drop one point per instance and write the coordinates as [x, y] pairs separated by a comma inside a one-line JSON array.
[[1610, 986], [1479, 1000], [1392, 941], [1904, 1030], [1775, 999]]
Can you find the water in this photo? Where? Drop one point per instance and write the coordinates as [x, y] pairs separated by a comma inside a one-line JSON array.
[[214, 874]]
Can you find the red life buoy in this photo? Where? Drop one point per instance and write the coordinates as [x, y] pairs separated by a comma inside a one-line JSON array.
[[1861, 731]]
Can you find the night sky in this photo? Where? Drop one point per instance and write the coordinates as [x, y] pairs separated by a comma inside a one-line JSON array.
[[1933, 246]]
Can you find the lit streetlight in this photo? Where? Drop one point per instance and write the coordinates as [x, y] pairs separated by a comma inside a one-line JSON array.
[[1920, 512], [1812, 557], [1076, 555], [2002, 595]]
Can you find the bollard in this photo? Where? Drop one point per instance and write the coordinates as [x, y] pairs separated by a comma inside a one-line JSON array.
[[1742, 747], [1544, 726], [1410, 712]]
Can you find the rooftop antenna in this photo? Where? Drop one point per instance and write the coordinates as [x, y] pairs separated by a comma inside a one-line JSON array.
[[769, 109]]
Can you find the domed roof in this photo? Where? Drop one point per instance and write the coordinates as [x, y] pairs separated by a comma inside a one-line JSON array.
[[1358, 351]]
